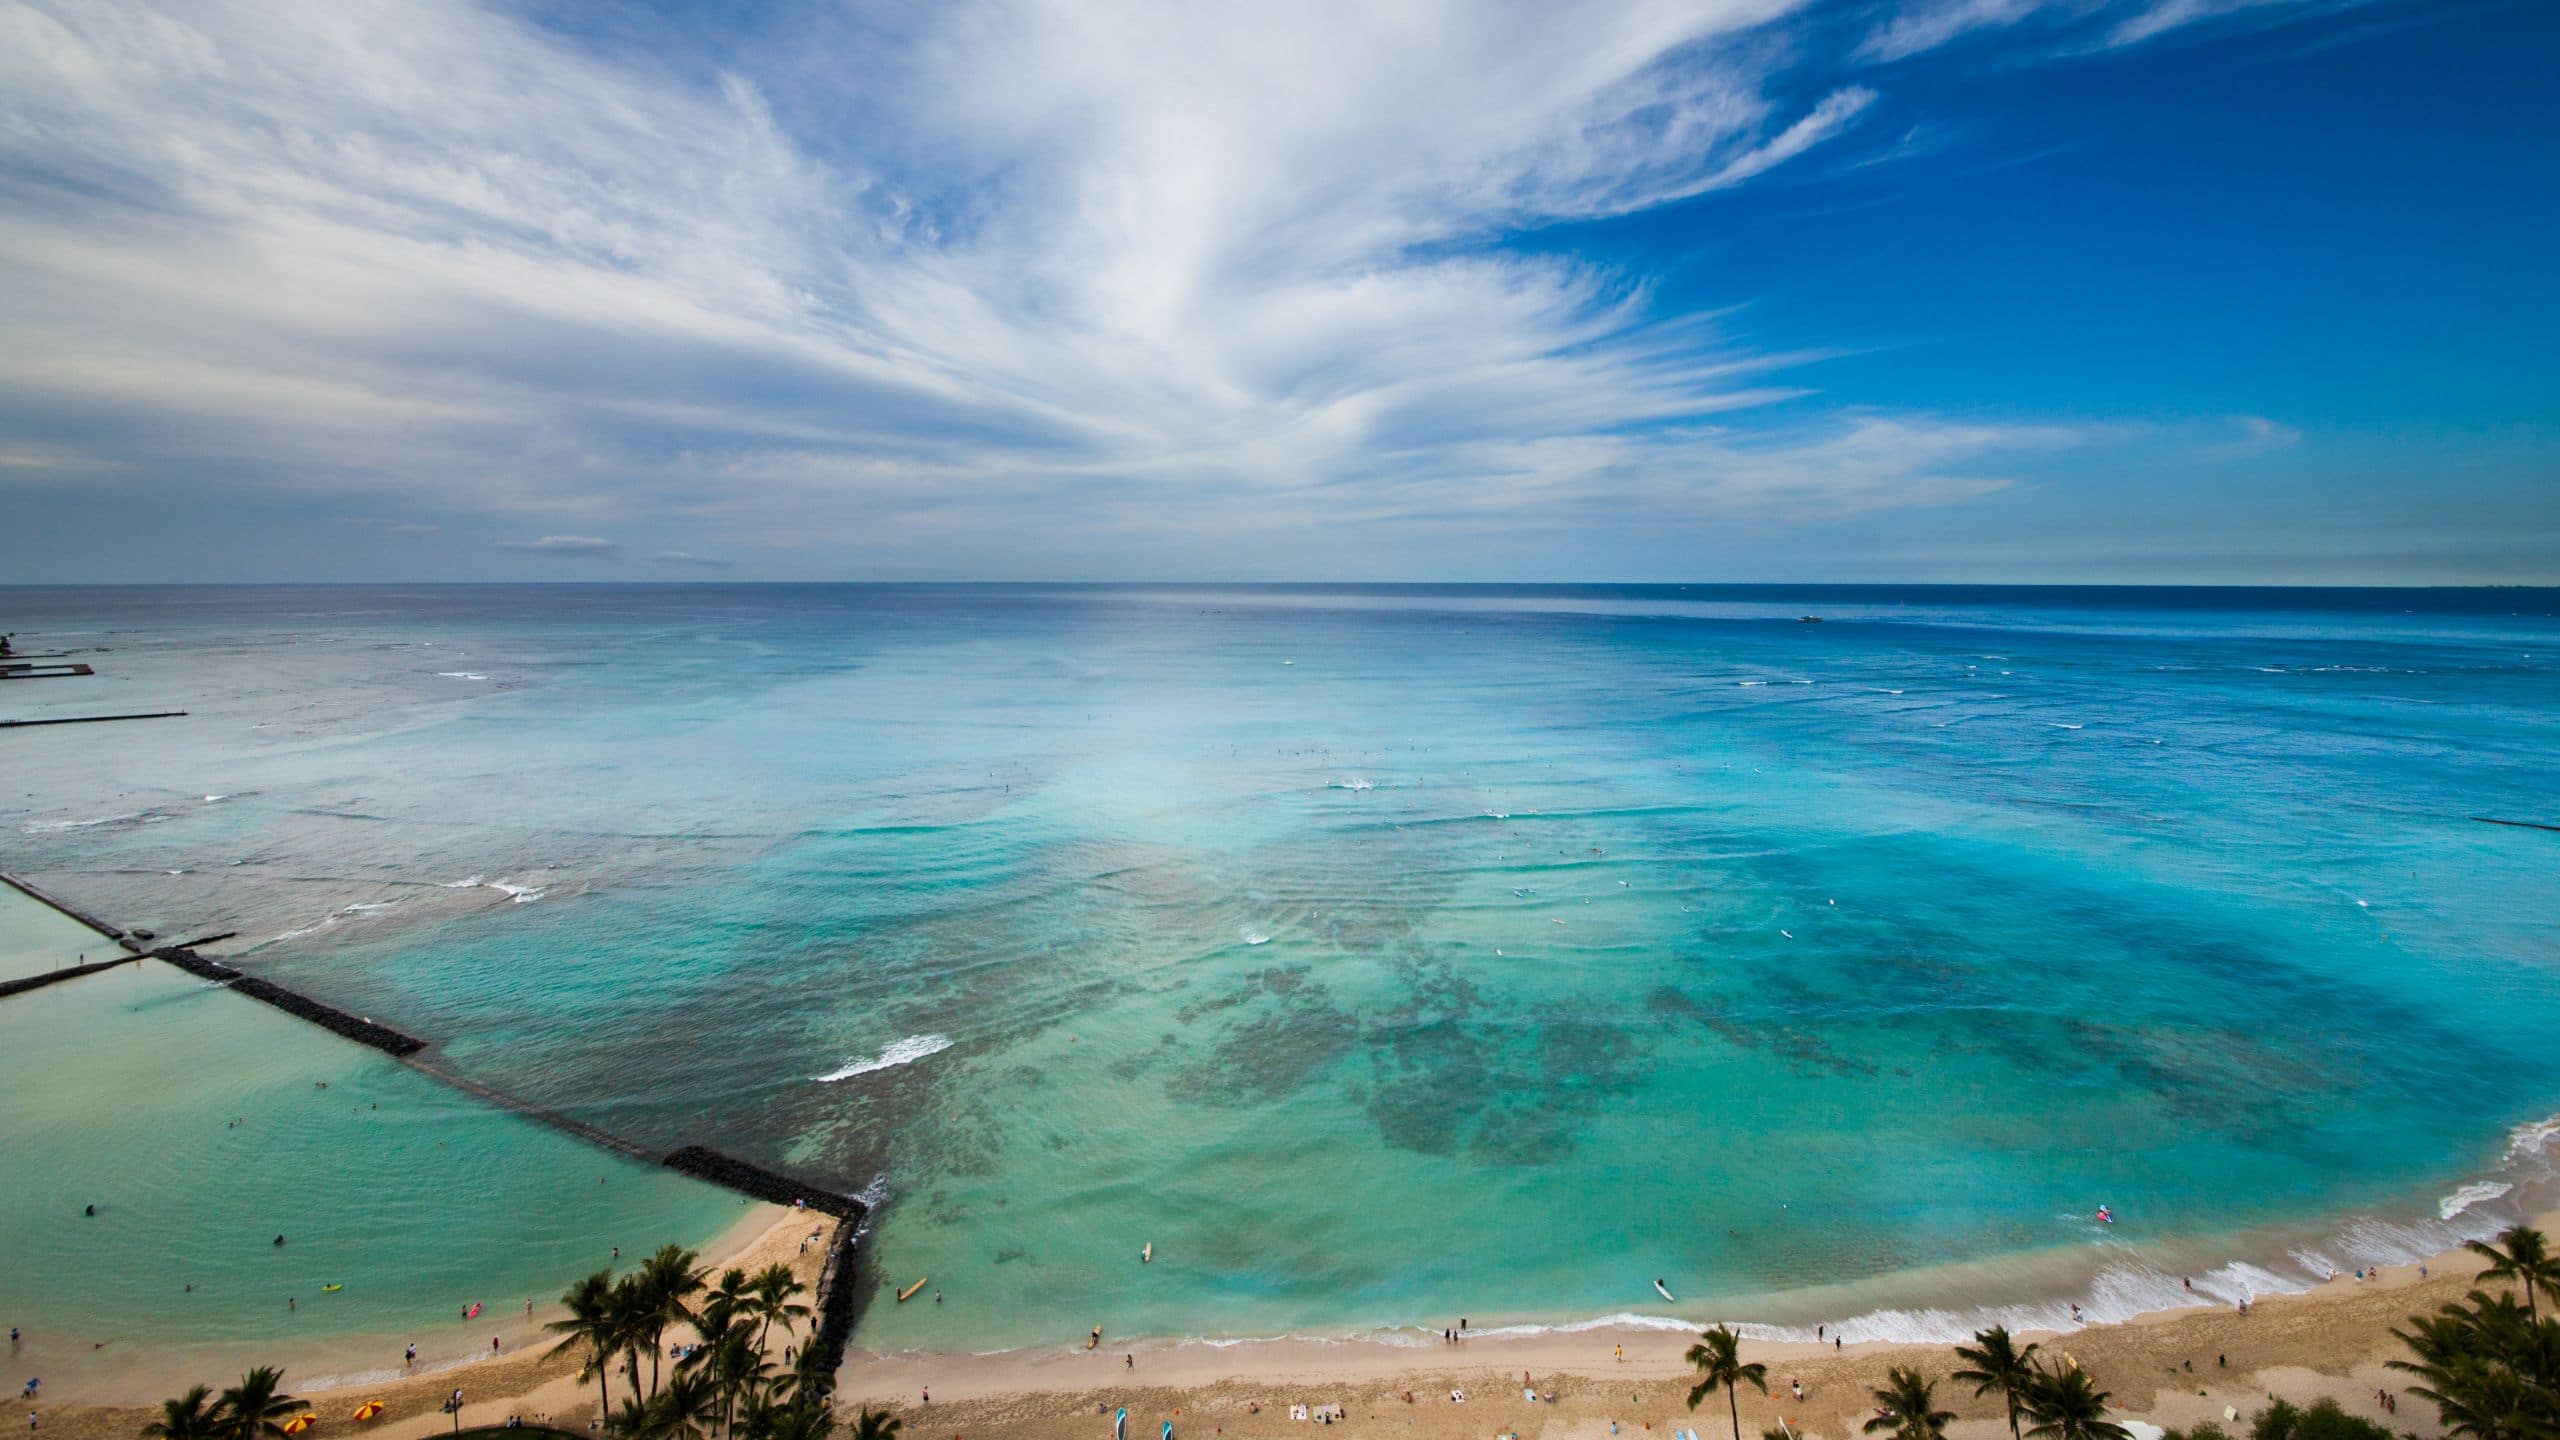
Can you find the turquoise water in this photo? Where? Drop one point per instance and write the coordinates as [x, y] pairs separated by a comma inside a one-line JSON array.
[[1386, 956], [201, 1124]]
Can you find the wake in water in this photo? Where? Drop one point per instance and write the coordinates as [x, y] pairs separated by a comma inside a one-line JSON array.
[[904, 1052]]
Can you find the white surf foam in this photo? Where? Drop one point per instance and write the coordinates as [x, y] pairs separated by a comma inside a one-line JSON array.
[[1354, 784], [2478, 1192], [1256, 937], [903, 1052]]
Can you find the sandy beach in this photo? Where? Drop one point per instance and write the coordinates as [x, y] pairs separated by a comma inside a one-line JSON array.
[[2172, 1369], [516, 1380]]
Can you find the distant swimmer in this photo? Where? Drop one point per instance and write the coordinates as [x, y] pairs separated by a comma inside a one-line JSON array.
[[2106, 1216], [279, 1240], [89, 1210], [1148, 1255]]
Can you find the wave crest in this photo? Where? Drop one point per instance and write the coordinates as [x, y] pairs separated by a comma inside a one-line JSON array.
[[903, 1052]]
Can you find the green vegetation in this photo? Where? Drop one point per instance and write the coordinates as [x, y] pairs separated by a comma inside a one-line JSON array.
[[724, 1387], [1907, 1407], [2491, 1363]]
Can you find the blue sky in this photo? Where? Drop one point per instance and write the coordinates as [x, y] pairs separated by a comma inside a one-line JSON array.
[[1727, 290]]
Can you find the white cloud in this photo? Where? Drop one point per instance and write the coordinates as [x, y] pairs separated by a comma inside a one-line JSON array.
[[1119, 267], [679, 557], [1923, 25], [570, 545], [2254, 435]]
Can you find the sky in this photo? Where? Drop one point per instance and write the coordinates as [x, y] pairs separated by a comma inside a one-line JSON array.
[[2149, 291]]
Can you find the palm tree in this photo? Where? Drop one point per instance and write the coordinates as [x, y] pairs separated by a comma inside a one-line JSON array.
[[776, 1292], [1996, 1361], [2485, 1401], [681, 1410], [252, 1409], [192, 1416], [728, 1360], [592, 1323], [664, 1282], [729, 1297], [630, 1311], [2521, 1255], [1910, 1402], [2067, 1405], [1718, 1356], [635, 1420], [881, 1425]]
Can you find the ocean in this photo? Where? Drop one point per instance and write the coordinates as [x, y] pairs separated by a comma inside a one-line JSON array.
[[1383, 955]]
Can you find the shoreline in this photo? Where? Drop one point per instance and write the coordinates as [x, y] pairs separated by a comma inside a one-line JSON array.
[[518, 1379], [2330, 1342]]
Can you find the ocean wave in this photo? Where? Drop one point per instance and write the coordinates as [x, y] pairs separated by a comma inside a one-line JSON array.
[[1354, 784], [2530, 1139], [52, 827], [1256, 937], [2478, 1192], [518, 894], [903, 1052], [474, 883], [459, 675]]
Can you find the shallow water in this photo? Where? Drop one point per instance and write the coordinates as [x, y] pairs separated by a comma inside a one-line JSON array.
[[1385, 956], [200, 1125]]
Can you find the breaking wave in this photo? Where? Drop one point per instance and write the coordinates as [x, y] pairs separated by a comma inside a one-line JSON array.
[[904, 1052]]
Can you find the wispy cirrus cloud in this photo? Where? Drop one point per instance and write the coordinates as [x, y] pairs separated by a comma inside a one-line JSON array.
[[987, 278], [1924, 25], [575, 546]]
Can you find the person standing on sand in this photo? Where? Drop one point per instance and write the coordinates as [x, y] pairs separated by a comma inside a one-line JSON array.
[[412, 1357], [1095, 1340]]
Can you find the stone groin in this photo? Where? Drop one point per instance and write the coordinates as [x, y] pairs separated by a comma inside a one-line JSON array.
[[293, 1002], [68, 972]]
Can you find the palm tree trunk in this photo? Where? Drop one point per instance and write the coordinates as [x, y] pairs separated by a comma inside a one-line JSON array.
[[1733, 1403], [2012, 1397], [604, 1373]]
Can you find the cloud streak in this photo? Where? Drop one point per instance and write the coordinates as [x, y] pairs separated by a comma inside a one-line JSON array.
[[573, 546], [976, 280]]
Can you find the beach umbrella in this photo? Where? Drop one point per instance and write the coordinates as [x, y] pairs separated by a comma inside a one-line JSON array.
[[300, 1423], [1120, 1424], [368, 1410]]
